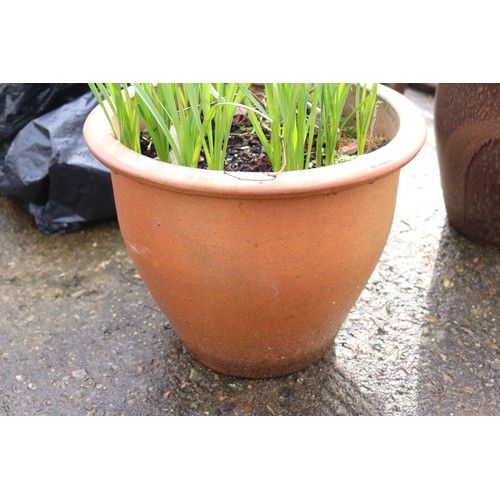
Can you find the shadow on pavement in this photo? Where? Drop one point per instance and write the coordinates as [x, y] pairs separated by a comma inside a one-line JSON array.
[[459, 346], [189, 388]]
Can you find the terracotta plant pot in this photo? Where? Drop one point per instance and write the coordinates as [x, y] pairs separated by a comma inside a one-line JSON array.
[[467, 128], [256, 274]]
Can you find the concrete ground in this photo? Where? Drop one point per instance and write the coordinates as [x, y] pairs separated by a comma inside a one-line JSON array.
[[80, 334]]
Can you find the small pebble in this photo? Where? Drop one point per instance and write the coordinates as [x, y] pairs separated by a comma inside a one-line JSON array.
[[79, 373], [195, 375]]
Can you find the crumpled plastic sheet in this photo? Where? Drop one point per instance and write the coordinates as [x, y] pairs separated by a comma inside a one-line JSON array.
[[21, 102], [50, 169]]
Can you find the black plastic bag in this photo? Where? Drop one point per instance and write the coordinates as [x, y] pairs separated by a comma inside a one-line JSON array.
[[22, 102], [49, 167]]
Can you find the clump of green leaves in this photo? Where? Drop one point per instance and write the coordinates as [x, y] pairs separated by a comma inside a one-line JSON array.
[[112, 97], [365, 107], [289, 119], [185, 120], [298, 116], [182, 119]]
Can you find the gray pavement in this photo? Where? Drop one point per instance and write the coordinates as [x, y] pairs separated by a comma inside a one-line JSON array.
[[80, 334]]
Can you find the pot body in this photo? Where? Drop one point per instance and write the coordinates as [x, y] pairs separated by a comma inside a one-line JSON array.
[[255, 287], [467, 128], [256, 274]]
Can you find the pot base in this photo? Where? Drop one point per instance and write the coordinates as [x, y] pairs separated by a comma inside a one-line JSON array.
[[263, 369]]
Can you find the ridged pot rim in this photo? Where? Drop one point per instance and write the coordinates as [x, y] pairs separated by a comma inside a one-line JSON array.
[[121, 160]]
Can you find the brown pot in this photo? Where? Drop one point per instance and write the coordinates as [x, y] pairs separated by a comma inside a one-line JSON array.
[[256, 274], [467, 128]]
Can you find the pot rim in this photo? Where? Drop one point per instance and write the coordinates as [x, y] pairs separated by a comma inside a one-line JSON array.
[[369, 167]]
